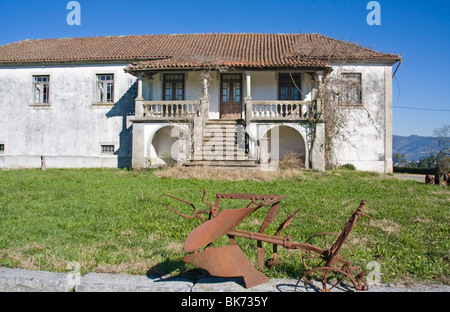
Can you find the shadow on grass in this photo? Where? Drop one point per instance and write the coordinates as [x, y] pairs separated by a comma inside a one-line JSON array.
[[170, 269], [176, 269]]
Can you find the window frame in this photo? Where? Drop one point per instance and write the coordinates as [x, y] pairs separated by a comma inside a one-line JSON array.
[[346, 88], [47, 84], [292, 83], [104, 146], [2, 147], [173, 82], [98, 92]]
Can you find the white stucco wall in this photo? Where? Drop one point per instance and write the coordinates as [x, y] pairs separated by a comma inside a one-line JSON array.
[[69, 132], [363, 140]]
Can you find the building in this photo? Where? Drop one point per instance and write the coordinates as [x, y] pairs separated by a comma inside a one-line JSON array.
[[215, 99]]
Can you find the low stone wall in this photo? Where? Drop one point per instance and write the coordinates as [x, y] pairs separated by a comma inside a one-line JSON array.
[[19, 280]]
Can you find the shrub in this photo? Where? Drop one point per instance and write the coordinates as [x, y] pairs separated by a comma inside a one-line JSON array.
[[348, 167]]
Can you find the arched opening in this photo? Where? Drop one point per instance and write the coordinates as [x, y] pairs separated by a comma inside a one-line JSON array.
[[163, 144], [291, 146]]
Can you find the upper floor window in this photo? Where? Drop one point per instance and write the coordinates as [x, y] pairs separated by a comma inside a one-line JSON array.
[[41, 89], [105, 88], [351, 88], [173, 87], [289, 86]]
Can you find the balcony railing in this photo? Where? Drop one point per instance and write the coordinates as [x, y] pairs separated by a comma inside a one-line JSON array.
[[280, 110], [257, 110], [166, 110]]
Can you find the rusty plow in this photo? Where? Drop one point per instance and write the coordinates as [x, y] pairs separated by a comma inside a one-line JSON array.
[[327, 257]]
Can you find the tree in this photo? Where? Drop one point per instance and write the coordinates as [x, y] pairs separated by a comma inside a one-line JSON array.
[[400, 159], [442, 136]]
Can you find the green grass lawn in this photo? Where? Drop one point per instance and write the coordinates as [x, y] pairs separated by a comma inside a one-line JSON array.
[[111, 221]]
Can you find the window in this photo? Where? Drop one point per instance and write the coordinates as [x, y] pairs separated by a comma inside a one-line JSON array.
[[289, 86], [105, 88], [351, 89], [2, 148], [107, 149], [173, 87], [41, 89]]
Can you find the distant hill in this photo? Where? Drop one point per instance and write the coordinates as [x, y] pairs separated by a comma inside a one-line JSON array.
[[414, 147]]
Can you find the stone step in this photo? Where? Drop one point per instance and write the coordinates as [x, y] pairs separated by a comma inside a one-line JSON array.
[[216, 157], [223, 141], [219, 139], [219, 131], [222, 145], [220, 126], [235, 149], [221, 122], [230, 164]]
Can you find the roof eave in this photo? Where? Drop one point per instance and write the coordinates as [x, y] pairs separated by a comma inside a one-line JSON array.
[[131, 70], [376, 60]]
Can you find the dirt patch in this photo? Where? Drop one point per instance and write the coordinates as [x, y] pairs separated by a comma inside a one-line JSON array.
[[385, 225], [208, 173]]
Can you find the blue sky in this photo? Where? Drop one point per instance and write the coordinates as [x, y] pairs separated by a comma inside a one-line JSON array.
[[419, 30]]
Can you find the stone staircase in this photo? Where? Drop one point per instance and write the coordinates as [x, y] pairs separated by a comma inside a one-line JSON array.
[[222, 146]]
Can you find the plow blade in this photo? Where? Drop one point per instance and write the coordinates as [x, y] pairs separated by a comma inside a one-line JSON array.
[[228, 261], [215, 228]]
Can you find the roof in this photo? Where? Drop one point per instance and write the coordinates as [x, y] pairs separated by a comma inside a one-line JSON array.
[[155, 52]]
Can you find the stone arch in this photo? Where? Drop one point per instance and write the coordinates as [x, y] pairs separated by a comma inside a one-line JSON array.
[[291, 142], [164, 144]]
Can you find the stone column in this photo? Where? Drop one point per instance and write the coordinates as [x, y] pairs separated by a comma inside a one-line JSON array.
[[248, 98], [204, 100], [248, 79], [139, 101]]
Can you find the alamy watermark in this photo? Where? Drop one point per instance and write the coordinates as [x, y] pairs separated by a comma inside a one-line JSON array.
[[74, 277], [74, 16], [374, 276], [374, 16]]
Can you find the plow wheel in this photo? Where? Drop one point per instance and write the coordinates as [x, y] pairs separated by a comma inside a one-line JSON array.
[[324, 241], [322, 279]]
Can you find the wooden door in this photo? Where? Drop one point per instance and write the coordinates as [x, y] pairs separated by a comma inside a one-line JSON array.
[[231, 96]]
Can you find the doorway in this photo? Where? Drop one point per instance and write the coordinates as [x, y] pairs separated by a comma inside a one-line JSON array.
[[231, 96]]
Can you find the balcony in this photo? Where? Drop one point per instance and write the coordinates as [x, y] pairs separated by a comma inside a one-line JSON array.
[[257, 110], [252, 110], [170, 110], [280, 110]]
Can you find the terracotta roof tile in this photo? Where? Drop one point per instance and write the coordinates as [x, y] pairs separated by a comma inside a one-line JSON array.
[[193, 50]]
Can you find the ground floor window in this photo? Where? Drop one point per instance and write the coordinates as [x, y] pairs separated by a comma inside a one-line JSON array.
[[107, 149]]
